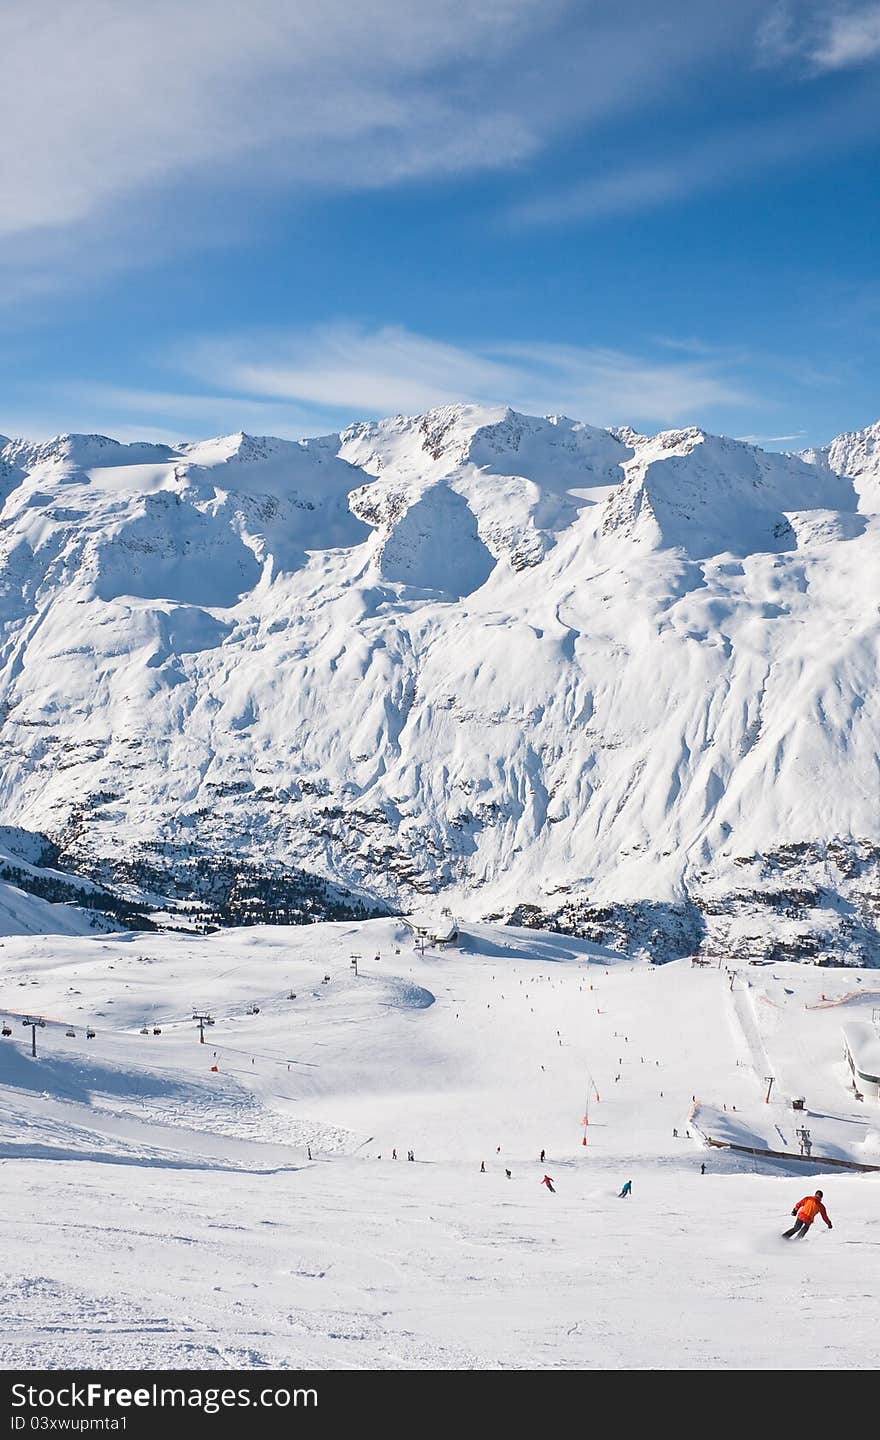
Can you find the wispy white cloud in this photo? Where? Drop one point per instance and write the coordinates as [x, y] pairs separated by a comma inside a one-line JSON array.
[[315, 381], [131, 413], [819, 36], [131, 131], [704, 349], [102, 98], [776, 37], [126, 120], [710, 162], [853, 38], [367, 372], [630, 189], [351, 371], [771, 439]]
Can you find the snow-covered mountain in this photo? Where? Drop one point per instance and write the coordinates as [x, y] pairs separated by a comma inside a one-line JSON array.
[[856, 454], [621, 684]]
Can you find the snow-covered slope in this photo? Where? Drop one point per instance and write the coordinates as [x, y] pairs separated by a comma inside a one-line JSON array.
[[22, 913], [622, 684], [36, 898], [248, 1202]]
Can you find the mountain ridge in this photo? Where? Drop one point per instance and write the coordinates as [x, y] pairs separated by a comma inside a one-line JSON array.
[[529, 664]]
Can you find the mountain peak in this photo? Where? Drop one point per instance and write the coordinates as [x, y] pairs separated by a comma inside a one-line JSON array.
[[857, 455], [475, 651], [709, 495], [84, 451], [236, 448]]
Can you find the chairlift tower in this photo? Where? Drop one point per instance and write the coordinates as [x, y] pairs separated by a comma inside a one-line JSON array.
[[202, 1019], [803, 1135], [34, 1021]]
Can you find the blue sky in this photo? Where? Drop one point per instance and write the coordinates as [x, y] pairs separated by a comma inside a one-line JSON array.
[[282, 217]]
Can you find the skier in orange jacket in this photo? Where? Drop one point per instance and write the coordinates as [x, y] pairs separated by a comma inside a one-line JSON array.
[[805, 1212]]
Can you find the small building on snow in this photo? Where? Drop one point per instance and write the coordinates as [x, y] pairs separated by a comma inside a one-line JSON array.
[[862, 1049], [432, 930]]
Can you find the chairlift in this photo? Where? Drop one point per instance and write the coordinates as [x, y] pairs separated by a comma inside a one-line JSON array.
[[326, 980], [145, 1030], [291, 995], [254, 1010], [71, 1034], [7, 1030], [157, 1030], [90, 1034]]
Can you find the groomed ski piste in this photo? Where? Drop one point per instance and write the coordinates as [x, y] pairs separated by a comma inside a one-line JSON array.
[[236, 1204]]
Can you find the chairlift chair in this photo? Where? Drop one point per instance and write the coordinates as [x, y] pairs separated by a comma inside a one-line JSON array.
[[90, 1034], [157, 1030], [145, 1030], [7, 1030], [71, 1034]]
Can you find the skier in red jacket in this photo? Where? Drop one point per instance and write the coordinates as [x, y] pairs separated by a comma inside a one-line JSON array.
[[549, 1183], [805, 1212]]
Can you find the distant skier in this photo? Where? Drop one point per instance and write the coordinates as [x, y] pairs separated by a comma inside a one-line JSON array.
[[542, 1157], [626, 1191], [703, 1168], [805, 1212], [393, 1154], [549, 1183], [482, 1167], [508, 1174], [309, 1149]]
